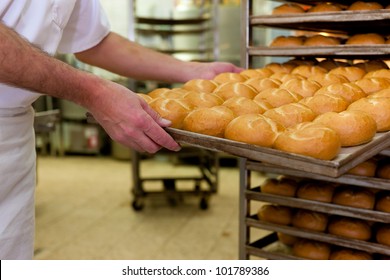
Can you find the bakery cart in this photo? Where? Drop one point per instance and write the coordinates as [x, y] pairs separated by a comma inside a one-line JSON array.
[[268, 246]]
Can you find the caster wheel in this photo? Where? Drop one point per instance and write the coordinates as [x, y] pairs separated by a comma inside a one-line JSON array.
[[137, 205], [204, 205]]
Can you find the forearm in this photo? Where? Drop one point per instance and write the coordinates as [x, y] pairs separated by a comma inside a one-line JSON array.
[[25, 66]]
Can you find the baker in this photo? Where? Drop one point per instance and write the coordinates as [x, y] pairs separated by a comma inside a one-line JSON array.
[[31, 31]]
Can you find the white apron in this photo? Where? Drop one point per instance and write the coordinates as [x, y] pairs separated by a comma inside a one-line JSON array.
[[17, 175]]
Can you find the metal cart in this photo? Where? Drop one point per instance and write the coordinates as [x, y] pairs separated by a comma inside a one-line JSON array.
[[208, 164]]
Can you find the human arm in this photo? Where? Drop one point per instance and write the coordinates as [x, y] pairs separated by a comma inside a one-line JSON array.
[[125, 117], [121, 56]]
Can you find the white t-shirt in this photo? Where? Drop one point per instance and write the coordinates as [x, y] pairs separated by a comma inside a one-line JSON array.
[[66, 26]]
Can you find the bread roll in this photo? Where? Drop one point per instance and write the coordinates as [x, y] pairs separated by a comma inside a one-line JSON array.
[[373, 84], [231, 89], [291, 114], [349, 254], [287, 239], [383, 234], [380, 94], [253, 129], [381, 73], [264, 105], [354, 127], [350, 228], [328, 79], [349, 91], [202, 99], [174, 110], [377, 108], [310, 220], [310, 139], [200, 85], [366, 168], [260, 84], [278, 96], [229, 77], [275, 214], [383, 202], [325, 7], [256, 73], [283, 186], [383, 170], [285, 77], [354, 197], [360, 5], [287, 41], [241, 105], [210, 121], [312, 250], [330, 64], [288, 8], [321, 40], [303, 87], [308, 70], [323, 103], [365, 39], [352, 73], [280, 67], [372, 65], [316, 190]]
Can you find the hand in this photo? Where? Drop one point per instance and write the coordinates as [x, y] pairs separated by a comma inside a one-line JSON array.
[[129, 120], [208, 70]]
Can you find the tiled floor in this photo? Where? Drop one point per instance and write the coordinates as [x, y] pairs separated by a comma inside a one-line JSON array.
[[83, 212]]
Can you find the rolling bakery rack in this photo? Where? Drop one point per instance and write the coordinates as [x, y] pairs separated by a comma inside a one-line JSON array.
[[343, 22]]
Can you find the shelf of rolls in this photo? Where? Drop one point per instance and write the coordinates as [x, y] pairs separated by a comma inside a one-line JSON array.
[[317, 216]]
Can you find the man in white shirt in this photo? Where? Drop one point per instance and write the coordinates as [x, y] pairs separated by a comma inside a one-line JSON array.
[[31, 31]]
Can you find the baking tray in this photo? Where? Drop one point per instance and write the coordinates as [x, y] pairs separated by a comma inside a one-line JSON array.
[[370, 247], [317, 206], [347, 179], [347, 158], [336, 22]]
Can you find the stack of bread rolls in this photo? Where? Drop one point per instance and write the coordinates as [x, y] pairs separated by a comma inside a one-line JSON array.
[[300, 106]]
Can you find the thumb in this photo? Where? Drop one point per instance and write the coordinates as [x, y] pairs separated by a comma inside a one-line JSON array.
[[156, 117]]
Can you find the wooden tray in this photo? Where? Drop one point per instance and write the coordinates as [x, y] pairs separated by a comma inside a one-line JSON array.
[[348, 157]]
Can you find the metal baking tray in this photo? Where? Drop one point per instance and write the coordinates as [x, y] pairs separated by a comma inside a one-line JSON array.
[[334, 22], [347, 158]]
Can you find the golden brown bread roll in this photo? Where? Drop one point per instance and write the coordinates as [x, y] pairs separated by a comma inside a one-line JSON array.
[[287, 239], [309, 139], [366, 168], [330, 64], [354, 197], [280, 67], [276, 214], [200, 85], [241, 105], [352, 73], [328, 79], [325, 7], [288, 8], [260, 84], [290, 114], [283, 186], [349, 91], [365, 39], [285, 77], [316, 190], [303, 87], [310, 220], [174, 110], [278, 96], [308, 70], [383, 169], [321, 40], [323, 103], [383, 202], [256, 73], [202, 99], [373, 84], [350, 228], [349, 254], [354, 127], [229, 77], [360, 5], [383, 234], [210, 121], [382, 73], [264, 105], [254, 129], [312, 250], [231, 89], [371, 65], [377, 108], [287, 41]]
